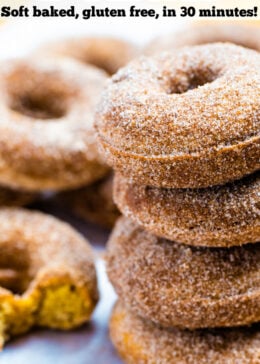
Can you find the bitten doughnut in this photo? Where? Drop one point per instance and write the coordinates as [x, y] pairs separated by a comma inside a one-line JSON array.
[[47, 139], [47, 274], [244, 35], [106, 53], [186, 119], [140, 341], [219, 216], [93, 203], [188, 287]]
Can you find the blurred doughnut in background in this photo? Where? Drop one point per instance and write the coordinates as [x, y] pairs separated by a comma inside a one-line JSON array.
[[92, 203], [244, 35], [106, 53]]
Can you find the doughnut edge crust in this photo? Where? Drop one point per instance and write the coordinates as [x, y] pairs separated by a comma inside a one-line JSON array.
[[186, 287], [220, 216], [167, 172], [140, 341]]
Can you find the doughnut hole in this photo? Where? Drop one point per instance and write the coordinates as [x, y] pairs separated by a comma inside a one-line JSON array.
[[38, 95], [14, 270], [181, 81]]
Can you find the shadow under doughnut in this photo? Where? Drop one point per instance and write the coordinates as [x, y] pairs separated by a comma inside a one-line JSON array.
[[11, 197]]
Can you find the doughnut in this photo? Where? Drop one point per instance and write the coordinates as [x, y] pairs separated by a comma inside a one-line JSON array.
[[140, 341], [93, 203], [185, 119], [244, 35], [219, 216], [183, 286], [47, 274], [47, 138], [10, 197], [106, 53]]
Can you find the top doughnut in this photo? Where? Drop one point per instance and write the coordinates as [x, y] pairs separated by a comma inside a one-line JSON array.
[[243, 35], [185, 119]]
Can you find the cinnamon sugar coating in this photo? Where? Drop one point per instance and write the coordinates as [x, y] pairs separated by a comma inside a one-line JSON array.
[[106, 53], [247, 36], [47, 274], [140, 342], [185, 119], [93, 203], [47, 139], [188, 287], [218, 216]]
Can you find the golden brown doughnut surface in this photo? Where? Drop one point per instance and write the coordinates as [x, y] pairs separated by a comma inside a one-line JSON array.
[[47, 274], [244, 35], [106, 53], [218, 216], [184, 119], [47, 139], [141, 342], [177, 285], [93, 203]]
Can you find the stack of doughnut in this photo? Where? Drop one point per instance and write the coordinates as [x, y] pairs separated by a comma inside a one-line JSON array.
[[47, 143], [182, 131]]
